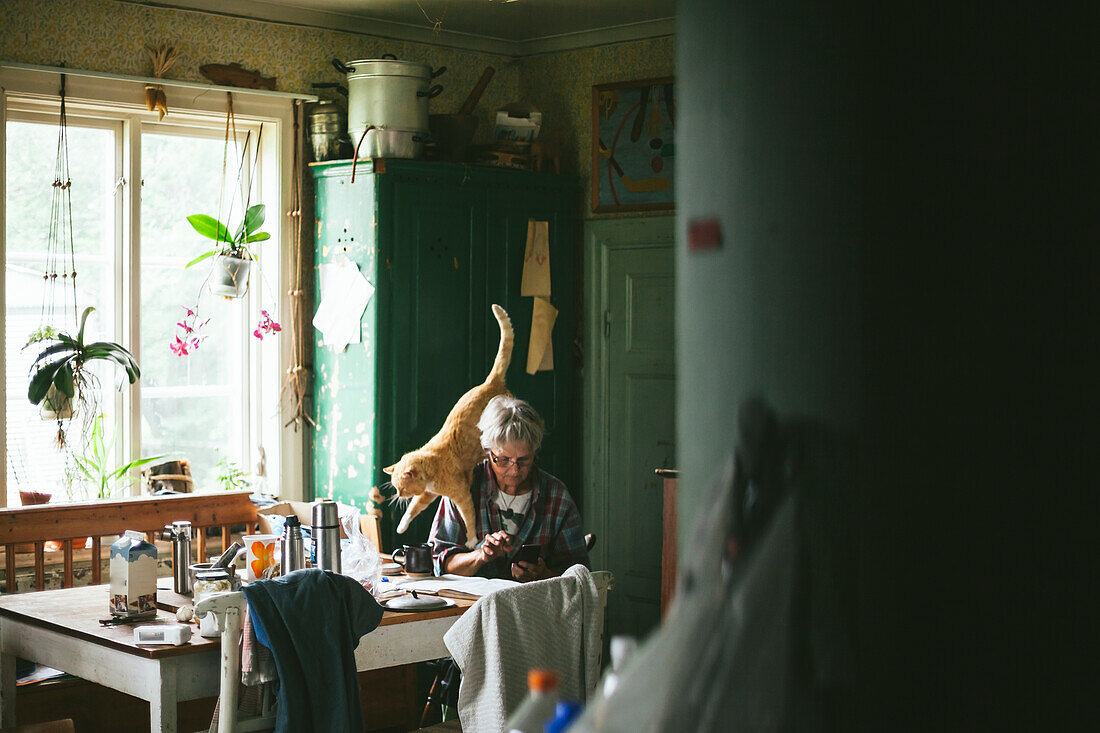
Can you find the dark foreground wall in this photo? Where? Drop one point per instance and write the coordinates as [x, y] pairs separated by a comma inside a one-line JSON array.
[[906, 199]]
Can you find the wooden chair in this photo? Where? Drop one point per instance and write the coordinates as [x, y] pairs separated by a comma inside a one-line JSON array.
[[229, 610]]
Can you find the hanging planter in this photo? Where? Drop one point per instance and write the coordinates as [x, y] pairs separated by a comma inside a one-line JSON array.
[[56, 405], [61, 370], [232, 258], [229, 276]]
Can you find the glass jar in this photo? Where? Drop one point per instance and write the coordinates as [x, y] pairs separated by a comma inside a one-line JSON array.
[[208, 583]]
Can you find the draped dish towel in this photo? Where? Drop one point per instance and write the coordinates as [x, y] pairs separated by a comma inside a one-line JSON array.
[[551, 624]]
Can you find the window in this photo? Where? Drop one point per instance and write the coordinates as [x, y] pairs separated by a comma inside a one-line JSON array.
[[219, 403]]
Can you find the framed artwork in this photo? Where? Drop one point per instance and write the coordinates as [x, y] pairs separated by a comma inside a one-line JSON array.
[[632, 145]]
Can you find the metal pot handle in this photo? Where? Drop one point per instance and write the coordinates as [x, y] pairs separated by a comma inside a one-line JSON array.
[[431, 93], [328, 85], [342, 67], [437, 72], [388, 56]]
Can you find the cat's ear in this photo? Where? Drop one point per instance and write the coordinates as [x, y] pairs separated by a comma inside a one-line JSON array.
[[389, 471]]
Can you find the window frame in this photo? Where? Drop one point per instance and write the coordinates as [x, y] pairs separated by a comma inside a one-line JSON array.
[[27, 90]]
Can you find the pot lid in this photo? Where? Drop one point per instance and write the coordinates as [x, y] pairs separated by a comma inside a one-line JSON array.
[[409, 602], [388, 67]]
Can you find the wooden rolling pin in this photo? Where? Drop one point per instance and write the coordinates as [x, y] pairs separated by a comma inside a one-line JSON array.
[[475, 95]]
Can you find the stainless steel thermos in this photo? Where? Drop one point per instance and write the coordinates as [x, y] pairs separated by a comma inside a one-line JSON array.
[[326, 535], [179, 534], [291, 547]]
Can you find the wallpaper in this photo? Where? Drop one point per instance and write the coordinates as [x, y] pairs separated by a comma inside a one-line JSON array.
[[560, 85], [104, 35]]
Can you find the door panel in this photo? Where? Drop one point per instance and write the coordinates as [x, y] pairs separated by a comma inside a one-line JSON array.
[[641, 389]]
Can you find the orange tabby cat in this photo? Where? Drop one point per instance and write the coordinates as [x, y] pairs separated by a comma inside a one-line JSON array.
[[444, 466]]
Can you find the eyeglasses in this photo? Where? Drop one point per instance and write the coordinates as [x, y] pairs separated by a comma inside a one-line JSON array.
[[503, 462]]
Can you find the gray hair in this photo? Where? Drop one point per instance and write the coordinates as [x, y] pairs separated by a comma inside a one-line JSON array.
[[507, 419]]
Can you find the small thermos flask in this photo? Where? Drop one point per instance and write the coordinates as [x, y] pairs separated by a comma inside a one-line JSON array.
[[179, 534], [326, 535], [291, 547]]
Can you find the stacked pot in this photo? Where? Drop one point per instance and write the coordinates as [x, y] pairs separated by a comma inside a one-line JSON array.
[[388, 105]]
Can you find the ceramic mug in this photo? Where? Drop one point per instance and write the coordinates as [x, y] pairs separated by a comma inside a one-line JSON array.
[[417, 559], [259, 554]]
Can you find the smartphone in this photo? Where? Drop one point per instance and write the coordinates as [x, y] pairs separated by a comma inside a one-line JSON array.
[[528, 553]]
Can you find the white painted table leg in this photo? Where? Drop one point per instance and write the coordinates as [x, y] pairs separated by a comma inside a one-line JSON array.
[[7, 690], [162, 703]]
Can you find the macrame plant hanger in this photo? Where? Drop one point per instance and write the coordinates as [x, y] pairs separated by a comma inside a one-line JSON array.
[[59, 298], [59, 307]]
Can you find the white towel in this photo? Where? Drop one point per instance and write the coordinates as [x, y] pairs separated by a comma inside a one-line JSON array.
[[550, 624]]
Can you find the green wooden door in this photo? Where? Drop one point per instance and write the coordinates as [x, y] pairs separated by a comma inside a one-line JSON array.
[[450, 243], [631, 410], [550, 392], [435, 331]]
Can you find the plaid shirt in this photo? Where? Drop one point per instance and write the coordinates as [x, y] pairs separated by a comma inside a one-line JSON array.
[[552, 521]]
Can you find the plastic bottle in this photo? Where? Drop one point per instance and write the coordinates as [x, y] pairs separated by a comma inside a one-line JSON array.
[[621, 649], [565, 712], [533, 714]]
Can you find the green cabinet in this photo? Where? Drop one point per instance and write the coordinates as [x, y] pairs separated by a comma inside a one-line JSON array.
[[440, 243]]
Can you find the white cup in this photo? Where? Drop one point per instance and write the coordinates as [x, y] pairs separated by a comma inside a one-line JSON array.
[[259, 554]]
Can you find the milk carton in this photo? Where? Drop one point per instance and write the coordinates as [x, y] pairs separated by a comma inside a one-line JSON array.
[[133, 576]]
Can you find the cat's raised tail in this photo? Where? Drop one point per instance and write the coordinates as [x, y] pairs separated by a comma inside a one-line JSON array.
[[504, 351]]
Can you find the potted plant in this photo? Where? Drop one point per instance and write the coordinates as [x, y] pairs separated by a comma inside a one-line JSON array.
[[92, 469], [232, 257], [59, 373]]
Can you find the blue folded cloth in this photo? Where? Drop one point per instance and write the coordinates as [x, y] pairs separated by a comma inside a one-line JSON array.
[[312, 620]]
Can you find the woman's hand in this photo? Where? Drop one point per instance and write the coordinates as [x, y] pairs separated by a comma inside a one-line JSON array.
[[497, 544], [525, 571]]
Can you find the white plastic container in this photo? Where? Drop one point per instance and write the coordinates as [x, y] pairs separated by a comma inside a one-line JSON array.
[[538, 709]]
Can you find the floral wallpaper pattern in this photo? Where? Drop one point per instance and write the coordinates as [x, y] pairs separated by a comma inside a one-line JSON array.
[[109, 36]]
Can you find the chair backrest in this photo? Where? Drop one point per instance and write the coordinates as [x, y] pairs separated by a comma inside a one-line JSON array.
[[605, 581], [229, 609]]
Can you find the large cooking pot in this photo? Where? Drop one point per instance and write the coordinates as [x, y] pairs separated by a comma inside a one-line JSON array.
[[388, 99]]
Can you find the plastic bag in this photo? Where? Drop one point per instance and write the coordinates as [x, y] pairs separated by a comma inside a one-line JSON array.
[[359, 557]]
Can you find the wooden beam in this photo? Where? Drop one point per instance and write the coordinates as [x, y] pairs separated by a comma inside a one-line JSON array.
[[114, 516], [9, 567]]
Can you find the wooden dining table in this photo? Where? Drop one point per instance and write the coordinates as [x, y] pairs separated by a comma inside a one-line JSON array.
[[61, 629]]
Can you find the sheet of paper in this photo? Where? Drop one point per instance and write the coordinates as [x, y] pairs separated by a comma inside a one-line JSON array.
[[536, 260], [540, 352], [344, 296], [474, 585]]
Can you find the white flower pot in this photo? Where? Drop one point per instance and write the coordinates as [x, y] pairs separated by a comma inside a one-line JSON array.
[[55, 405], [229, 276]]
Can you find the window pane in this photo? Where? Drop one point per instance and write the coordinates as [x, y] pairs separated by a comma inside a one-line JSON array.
[[34, 464], [192, 406]]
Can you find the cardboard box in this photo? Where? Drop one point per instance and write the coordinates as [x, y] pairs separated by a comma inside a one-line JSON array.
[[369, 520]]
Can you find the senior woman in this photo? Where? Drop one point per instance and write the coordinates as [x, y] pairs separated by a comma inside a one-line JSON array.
[[516, 504]]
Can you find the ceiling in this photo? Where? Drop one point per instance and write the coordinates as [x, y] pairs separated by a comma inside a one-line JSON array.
[[513, 27]]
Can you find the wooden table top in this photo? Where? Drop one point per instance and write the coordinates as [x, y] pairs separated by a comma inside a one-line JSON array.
[[76, 612]]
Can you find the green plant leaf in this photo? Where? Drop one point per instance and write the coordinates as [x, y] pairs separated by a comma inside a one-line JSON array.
[[254, 218], [52, 349], [209, 227], [258, 237], [203, 256], [41, 381], [64, 380], [83, 322]]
